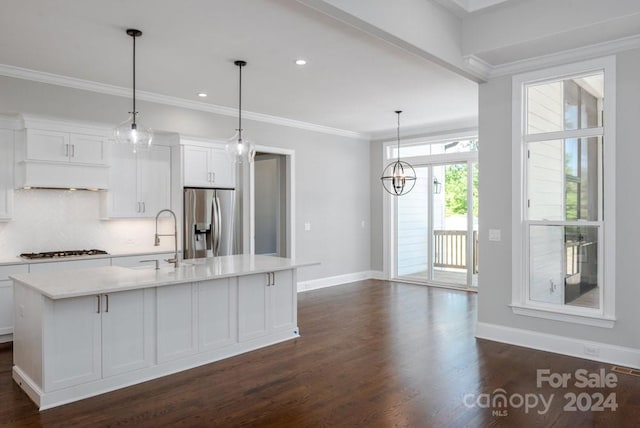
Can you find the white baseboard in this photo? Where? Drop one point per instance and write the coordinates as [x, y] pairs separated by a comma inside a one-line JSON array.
[[331, 281], [603, 352]]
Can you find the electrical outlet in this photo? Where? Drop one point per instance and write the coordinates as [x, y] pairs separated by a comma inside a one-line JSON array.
[[591, 350], [307, 226], [494, 235]]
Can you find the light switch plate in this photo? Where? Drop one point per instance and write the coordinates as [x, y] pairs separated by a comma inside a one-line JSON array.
[[307, 226], [494, 235]]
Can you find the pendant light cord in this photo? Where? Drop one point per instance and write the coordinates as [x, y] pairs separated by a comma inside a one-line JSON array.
[[133, 123], [398, 113], [240, 105]]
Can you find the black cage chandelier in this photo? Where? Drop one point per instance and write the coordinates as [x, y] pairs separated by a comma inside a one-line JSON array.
[[398, 177]]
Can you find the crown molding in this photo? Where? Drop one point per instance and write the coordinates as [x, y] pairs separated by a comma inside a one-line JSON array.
[[487, 71], [119, 91], [467, 126]]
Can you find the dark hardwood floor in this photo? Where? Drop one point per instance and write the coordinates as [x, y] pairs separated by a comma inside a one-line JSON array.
[[372, 354]]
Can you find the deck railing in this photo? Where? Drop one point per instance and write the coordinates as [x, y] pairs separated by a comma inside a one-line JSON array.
[[450, 249]]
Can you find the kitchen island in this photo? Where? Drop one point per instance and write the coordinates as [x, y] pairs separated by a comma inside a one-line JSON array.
[[85, 332]]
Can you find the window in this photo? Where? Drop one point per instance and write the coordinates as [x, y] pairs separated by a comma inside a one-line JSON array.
[[563, 193]]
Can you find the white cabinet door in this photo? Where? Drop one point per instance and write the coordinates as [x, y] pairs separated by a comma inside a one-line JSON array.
[[222, 169], [283, 300], [6, 307], [217, 314], [6, 296], [140, 185], [154, 180], [196, 166], [253, 303], [122, 195], [72, 342], [89, 149], [47, 145], [127, 331], [176, 317]]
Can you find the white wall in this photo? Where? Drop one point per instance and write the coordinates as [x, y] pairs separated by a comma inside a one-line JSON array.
[[332, 172], [495, 279]]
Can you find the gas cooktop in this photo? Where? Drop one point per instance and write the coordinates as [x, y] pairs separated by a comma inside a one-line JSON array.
[[60, 254]]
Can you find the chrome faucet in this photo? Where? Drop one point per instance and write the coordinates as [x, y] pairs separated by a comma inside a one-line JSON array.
[[174, 260]]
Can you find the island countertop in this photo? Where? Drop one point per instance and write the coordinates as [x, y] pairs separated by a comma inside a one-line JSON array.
[[110, 279]]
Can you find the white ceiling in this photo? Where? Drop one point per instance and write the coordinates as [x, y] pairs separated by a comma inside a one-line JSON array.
[[353, 80]]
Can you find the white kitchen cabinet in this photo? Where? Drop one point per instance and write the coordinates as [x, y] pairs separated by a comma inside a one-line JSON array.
[[176, 307], [127, 331], [140, 184], [6, 174], [92, 337], [56, 146], [72, 341], [6, 299], [217, 314], [266, 303], [206, 166]]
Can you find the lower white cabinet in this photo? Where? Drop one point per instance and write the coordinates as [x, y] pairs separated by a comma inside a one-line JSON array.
[[266, 302], [176, 308], [217, 314], [6, 299], [72, 348], [92, 337]]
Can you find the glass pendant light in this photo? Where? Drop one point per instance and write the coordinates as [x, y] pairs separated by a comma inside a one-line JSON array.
[[130, 131], [239, 149], [398, 177]]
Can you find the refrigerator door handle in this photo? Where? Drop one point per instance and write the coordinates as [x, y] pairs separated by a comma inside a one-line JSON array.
[[218, 225], [214, 227]]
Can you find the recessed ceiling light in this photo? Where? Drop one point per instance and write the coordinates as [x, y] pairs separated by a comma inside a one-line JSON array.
[[301, 62], [202, 95]]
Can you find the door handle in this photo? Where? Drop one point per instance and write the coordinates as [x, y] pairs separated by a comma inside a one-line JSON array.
[[144, 208], [107, 299], [99, 300], [139, 209], [73, 150], [66, 150]]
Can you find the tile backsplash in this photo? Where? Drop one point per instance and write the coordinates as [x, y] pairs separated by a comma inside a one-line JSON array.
[[47, 220]]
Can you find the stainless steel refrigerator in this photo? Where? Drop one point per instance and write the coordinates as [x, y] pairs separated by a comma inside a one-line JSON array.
[[209, 223]]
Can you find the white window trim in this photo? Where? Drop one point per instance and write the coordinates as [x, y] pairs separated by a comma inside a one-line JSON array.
[[605, 316]]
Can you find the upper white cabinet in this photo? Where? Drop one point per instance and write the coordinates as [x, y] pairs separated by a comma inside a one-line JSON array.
[[59, 154], [54, 146], [207, 165], [139, 184]]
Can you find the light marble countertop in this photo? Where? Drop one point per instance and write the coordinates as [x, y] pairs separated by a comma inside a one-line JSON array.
[[110, 279]]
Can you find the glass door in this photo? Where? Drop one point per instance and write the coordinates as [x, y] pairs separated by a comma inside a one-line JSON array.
[[437, 226]]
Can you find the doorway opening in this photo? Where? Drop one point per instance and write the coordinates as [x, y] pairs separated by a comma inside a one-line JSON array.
[[270, 198], [270, 202]]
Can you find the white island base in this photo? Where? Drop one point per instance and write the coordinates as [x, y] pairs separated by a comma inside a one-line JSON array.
[[86, 332]]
